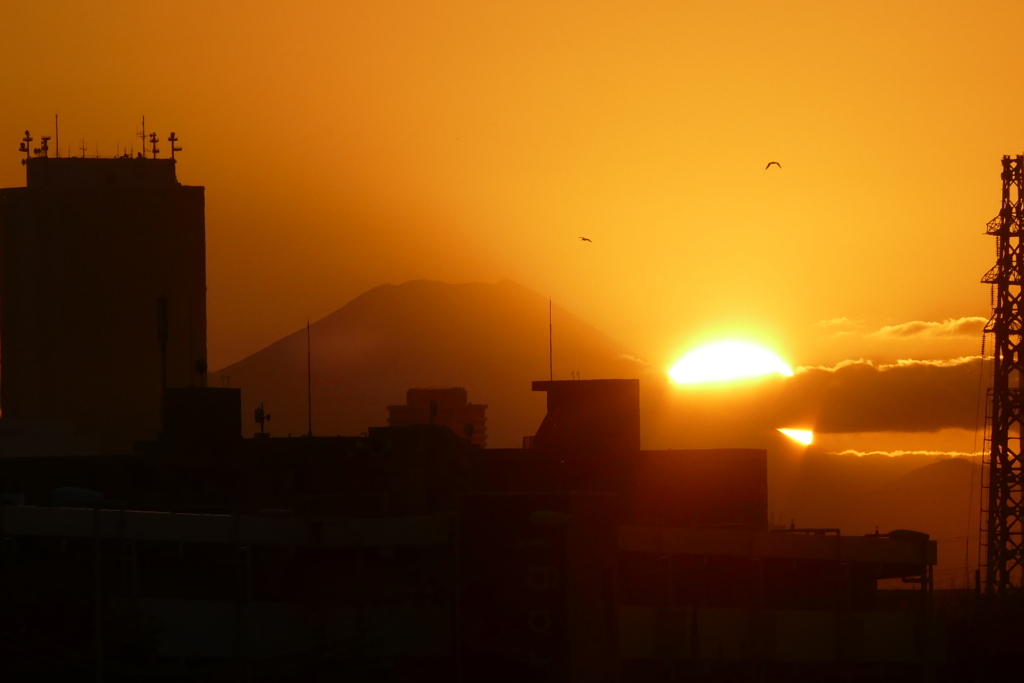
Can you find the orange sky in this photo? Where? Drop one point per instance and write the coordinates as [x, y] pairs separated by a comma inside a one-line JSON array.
[[344, 145]]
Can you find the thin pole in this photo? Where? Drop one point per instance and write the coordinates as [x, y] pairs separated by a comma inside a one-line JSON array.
[[162, 334], [551, 362], [191, 363], [309, 380], [143, 136], [56, 132], [98, 596]]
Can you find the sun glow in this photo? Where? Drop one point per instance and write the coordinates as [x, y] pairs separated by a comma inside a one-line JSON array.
[[804, 436], [727, 360]]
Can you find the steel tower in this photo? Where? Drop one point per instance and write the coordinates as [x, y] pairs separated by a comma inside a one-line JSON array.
[[1003, 536]]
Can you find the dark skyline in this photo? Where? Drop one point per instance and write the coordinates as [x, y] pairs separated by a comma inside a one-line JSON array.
[[553, 342]]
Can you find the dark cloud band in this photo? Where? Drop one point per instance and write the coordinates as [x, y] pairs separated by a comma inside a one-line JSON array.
[[850, 397]]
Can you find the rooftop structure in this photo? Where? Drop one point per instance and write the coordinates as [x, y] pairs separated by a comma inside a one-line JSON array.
[[446, 407]]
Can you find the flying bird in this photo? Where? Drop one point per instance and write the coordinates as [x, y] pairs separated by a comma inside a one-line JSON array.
[[586, 239], [770, 165]]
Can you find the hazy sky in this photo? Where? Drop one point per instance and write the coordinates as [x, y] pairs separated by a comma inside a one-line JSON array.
[[348, 144]]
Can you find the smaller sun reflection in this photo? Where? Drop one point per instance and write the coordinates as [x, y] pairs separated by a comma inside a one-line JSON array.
[[804, 436]]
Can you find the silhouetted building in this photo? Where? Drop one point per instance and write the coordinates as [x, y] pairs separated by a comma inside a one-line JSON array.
[[713, 487], [87, 249], [446, 407], [410, 554], [592, 428], [202, 416]]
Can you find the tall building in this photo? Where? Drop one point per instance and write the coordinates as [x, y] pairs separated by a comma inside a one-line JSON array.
[[593, 428], [102, 297]]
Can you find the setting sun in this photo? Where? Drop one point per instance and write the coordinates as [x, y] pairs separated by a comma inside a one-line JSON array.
[[727, 360], [804, 436]]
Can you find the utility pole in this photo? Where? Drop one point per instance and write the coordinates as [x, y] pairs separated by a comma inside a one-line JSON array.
[[162, 335], [1003, 534], [309, 381], [142, 135]]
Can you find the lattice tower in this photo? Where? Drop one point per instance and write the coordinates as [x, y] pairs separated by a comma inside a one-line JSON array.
[[1002, 536]]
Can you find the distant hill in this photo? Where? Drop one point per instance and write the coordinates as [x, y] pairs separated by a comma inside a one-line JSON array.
[[491, 339]]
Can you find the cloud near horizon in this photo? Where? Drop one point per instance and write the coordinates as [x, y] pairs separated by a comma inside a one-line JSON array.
[[853, 396], [970, 326], [905, 396], [839, 323], [883, 367], [898, 453]]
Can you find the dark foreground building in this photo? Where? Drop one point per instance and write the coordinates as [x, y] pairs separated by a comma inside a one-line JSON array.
[[412, 555], [102, 285]]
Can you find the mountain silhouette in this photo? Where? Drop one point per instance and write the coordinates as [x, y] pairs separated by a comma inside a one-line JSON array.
[[491, 339], [917, 492]]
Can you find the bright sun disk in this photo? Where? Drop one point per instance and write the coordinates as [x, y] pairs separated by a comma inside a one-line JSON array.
[[804, 436], [727, 360]]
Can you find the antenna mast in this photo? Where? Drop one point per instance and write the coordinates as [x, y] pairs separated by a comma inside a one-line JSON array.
[[551, 351], [173, 139], [143, 136], [24, 147], [162, 334], [1003, 536], [309, 381]]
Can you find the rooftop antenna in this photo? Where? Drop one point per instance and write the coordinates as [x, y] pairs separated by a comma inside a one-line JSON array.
[[309, 380], [191, 364], [143, 136], [56, 133], [44, 150], [174, 148], [24, 147], [262, 417], [551, 352], [162, 334], [153, 141]]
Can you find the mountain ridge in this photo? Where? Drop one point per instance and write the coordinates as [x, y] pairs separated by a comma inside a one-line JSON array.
[[490, 338]]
